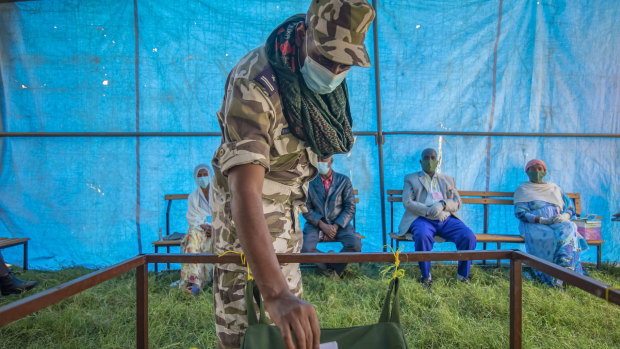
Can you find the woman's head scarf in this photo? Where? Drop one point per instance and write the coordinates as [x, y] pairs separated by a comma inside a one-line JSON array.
[[535, 162], [197, 169]]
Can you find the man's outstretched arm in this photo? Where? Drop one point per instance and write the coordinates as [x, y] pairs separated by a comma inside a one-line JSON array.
[[288, 312]]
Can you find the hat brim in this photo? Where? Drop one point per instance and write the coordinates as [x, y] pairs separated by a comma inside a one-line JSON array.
[[344, 52]]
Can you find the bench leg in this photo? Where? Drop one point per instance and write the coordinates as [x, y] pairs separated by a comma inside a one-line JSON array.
[[598, 256], [168, 251], [26, 255], [499, 247], [156, 251], [396, 245], [484, 247]]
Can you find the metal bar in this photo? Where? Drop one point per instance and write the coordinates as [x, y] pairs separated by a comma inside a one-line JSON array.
[[168, 264], [342, 257], [168, 217], [136, 32], [485, 229], [392, 225], [142, 307], [167, 231], [598, 257], [380, 138], [130, 134], [26, 255], [499, 247], [502, 134], [583, 282], [156, 251], [108, 134], [515, 303], [23, 307]]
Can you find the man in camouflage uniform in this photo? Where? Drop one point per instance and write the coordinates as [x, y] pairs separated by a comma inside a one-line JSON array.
[[262, 167]]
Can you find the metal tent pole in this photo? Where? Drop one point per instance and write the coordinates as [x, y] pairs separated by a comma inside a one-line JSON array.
[[380, 139]]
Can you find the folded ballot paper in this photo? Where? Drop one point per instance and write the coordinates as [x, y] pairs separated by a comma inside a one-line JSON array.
[[330, 345]]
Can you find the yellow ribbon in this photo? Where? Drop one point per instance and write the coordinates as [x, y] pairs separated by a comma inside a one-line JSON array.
[[396, 273], [607, 291], [242, 261]]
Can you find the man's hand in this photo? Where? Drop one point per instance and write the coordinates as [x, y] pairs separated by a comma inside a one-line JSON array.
[[330, 230], [333, 230], [207, 229], [288, 312], [435, 210], [295, 317], [326, 229]]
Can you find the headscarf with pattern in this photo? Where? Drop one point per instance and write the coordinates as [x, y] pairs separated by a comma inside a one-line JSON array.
[[323, 121]]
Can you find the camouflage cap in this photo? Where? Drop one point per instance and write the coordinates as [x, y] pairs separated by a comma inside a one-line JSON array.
[[339, 28]]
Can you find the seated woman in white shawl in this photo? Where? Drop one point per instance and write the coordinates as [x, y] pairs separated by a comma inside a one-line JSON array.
[[544, 212], [198, 237]]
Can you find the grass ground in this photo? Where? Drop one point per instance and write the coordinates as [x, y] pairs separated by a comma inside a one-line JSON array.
[[451, 315]]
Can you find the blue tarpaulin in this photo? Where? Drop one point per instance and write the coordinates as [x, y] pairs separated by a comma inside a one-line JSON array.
[[547, 66]]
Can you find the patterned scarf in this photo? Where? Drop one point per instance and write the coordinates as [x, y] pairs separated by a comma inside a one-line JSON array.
[[323, 121]]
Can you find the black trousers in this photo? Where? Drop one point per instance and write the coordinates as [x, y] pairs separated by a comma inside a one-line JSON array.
[[4, 271]]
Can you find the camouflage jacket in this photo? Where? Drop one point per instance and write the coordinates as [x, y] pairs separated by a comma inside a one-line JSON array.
[[254, 131]]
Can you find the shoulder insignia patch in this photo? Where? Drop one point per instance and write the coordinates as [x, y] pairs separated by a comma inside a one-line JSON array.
[[267, 78]]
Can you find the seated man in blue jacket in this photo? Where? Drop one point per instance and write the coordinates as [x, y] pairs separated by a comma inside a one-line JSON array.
[[331, 207], [431, 201]]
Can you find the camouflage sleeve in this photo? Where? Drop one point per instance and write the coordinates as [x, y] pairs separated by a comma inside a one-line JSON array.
[[247, 126]]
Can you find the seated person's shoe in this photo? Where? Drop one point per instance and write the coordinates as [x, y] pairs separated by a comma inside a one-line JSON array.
[[462, 279], [426, 283], [332, 274], [12, 285]]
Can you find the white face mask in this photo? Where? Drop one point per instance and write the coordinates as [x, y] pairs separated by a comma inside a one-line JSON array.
[[318, 78], [323, 168], [203, 182]]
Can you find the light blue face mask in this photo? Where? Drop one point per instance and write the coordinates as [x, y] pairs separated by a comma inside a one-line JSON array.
[[323, 168], [203, 182], [318, 78]]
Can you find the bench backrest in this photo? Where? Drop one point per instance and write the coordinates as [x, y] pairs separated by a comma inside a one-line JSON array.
[[171, 197], [477, 197]]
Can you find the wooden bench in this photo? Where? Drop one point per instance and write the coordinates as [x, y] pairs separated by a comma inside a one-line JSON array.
[[177, 243], [168, 243], [10, 242], [487, 198]]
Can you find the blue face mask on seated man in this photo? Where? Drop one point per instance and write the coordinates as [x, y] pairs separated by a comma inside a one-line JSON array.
[[203, 182], [323, 168], [318, 78]]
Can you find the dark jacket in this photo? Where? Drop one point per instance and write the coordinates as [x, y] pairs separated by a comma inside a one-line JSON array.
[[338, 206]]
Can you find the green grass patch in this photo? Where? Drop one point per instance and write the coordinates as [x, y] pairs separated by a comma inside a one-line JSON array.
[[451, 315]]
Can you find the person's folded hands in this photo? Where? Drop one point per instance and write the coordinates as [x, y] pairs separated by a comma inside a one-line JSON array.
[[435, 210], [562, 217]]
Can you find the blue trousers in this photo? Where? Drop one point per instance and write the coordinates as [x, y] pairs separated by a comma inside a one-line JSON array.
[[452, 229]]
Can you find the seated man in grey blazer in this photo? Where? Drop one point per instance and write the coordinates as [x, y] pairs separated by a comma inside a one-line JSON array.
[[431, 201], [331, 207]]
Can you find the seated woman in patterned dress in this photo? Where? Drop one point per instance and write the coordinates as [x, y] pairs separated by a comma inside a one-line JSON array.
[[198, 238], [544, 212]]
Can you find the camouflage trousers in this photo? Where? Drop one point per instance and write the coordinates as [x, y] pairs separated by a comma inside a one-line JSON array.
[[229, 280], [231, 318]]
